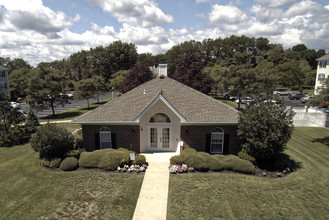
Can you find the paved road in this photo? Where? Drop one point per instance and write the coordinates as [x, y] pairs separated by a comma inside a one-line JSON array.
[[72, 104]]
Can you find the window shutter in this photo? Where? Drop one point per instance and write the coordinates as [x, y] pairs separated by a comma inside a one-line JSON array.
[[113, 139], [226, 143], [208, 141], [97, 143]]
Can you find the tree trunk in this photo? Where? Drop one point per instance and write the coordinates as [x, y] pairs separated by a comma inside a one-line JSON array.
[[52, 107], [239, 103], [88, 103], [97, 97]]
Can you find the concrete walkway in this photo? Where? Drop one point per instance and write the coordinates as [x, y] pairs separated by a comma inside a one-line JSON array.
[[153, 197]]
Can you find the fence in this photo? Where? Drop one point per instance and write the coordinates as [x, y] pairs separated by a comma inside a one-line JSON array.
[[309, 118]]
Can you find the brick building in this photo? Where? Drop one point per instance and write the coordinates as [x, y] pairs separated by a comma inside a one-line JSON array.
[[162, 115]]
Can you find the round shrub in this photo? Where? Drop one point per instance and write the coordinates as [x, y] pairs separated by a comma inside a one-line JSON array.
[[139, 160], [186, 153], [92, 159], [198, 162], [126, 156], [215, 164], [52, 141], [219, 156], [110, 160], [243, 166], [243, 155], [69, 163], [51, 163], [229, 161], [177, 159]]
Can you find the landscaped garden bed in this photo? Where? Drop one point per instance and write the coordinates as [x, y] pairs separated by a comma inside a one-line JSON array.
[[192, 161], [103, 160]]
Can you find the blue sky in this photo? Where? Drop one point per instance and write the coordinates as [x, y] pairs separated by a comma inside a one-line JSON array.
[[47, 30]]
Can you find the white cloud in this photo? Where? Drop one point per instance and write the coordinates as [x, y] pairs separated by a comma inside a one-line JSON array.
[[32, 15], [275, 3], [221, 14], [145, 13], [202, 1]]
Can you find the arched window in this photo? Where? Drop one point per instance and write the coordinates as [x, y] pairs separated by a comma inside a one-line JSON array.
[[160, 118], [321, 76], [105, 138], [217, 141]]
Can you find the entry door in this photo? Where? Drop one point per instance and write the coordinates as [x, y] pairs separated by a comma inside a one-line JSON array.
[[159, 137]]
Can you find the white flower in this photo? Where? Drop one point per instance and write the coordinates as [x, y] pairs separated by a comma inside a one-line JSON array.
[[119, 169]]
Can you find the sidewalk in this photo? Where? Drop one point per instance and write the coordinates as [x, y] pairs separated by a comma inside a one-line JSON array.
[[153, 197]]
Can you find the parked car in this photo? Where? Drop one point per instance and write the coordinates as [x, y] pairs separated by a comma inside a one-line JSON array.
[[296, 96], [15, 104], [226, 95], [305, 98], [281, 92], [325, 104], [21, 113], [245, 101]]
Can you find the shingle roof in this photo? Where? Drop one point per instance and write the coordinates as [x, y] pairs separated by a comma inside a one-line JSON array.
[[193, 105], [325, 57], [3, 68]]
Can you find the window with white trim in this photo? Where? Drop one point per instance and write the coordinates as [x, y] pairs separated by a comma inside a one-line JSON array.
[[160, 118], [3, 85], [105, 138], [321, 76], [2, 73], [323, 64], [217, 141]]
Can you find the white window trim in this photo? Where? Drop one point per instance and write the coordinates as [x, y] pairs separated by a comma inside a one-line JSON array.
[[102, 131], [322, 78], [152, 123], [211, 140]]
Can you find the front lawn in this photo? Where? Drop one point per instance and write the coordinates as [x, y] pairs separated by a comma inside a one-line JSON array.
[[301, 195], [30, 192]]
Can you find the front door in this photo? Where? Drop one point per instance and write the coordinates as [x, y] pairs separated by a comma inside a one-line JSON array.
[[159, 138]]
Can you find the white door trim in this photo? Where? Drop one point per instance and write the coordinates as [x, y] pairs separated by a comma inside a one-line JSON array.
[[159, 128]]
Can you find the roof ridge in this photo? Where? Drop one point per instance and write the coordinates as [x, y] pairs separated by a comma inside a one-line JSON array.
[[208, 96]]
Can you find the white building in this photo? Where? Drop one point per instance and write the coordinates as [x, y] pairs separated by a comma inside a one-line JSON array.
[[161, 69], [4, 81], [322, 73]]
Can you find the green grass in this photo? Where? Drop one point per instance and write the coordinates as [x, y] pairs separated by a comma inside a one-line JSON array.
[[301, 195], [30, 192], [74, 112]]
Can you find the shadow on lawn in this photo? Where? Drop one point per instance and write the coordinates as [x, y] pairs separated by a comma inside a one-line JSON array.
[[324, 140], [279, 163]]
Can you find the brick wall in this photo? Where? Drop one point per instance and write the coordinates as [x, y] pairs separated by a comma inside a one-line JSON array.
[[195, 137], [126, 136]]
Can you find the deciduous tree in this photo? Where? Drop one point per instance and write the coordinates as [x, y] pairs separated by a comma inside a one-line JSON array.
[[265, 128], [189, 72], [85, 89], [138, 75]]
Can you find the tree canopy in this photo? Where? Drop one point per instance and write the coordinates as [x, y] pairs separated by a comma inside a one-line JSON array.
[[139, 74], [189, 72]]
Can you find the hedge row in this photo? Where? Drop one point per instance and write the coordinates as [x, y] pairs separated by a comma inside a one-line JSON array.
[[109, 159], [203, 162]]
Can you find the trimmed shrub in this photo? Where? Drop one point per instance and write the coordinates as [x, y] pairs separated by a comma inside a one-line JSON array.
[[215, 164], [52, 141], [177, 159], [229, 161], [198, 162], [219, 156], [126, 156], [187, 152], [111, 160], [52, 163], [139, 160], [243, 155], [69, 164], [92, 159], [73, 153], [78, 143], [243, 166]]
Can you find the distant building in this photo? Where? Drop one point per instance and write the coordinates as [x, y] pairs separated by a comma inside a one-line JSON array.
[[4, 80], [322, 73], [160, 70]]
